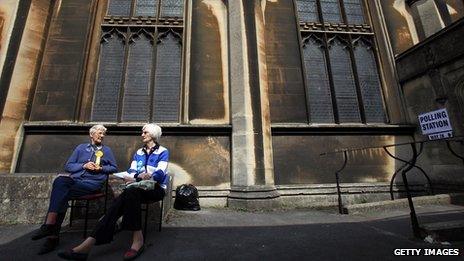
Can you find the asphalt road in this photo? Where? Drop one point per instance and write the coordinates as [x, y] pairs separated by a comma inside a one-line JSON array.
[[222, 234]]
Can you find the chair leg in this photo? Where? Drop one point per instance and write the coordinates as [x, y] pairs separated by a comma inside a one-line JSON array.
[[106, 199], [146, 219], [71, 213], [86, 217], [106, 192], [161, 216]]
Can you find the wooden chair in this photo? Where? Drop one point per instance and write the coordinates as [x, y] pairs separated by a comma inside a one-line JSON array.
[[87, 199], [145, 207]]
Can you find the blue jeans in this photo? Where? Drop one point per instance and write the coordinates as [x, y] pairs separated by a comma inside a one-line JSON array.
[[65, 188]]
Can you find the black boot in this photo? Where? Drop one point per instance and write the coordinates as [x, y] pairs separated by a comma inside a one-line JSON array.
[[49, 245], [44, 231]]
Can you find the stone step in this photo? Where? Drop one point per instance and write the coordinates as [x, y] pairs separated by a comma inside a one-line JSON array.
[[445, 231], [442, 199]]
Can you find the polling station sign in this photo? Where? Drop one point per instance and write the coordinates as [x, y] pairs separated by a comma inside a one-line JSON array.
[[436, 124]]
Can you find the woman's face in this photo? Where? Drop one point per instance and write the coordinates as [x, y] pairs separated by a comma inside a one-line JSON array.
[[97, 137], [146, 137]]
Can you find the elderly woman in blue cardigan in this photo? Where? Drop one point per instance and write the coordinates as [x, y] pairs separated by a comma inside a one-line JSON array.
[[149, 163], [86, 168]]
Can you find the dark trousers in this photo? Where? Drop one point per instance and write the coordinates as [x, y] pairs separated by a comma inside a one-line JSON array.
[[127, 205], [65, 188]]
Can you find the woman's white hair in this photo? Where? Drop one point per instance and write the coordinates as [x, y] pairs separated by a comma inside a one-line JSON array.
[[96, 128], [154, 131]]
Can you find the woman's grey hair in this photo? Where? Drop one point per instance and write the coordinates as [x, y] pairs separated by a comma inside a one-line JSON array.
[[96, 128], [154, 131]]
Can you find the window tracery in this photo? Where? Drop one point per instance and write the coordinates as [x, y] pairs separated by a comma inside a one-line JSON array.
[[341, 72], [139, 71]]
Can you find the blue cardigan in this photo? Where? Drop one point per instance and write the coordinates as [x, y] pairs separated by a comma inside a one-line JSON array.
[[154, 162], [84, 153]]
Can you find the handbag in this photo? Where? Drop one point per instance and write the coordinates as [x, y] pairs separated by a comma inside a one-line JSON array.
[[143, 184]]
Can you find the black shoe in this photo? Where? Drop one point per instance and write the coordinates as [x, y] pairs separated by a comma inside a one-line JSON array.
[[71, 255], [49, 245], [44, 231]]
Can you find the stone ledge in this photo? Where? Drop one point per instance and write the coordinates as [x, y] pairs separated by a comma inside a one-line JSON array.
[[313, 195], [445, 231], [26, 186], [441, 199], [25, 198], [416, 61]]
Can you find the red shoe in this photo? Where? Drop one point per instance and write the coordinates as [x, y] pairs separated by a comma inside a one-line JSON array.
[[132, 254]]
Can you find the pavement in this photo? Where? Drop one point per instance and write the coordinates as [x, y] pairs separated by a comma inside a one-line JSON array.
[[297, 234]]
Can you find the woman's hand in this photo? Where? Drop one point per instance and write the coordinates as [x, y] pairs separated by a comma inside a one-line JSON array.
[[90, 166], [144, 176], [128, 180]]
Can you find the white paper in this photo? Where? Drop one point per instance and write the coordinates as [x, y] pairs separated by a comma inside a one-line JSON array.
[[122, 175], [435, 122]]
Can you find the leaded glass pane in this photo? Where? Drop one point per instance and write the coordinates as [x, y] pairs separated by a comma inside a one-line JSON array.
[[110, 71], [136, 104], [331, 11], [172, 8], [307, 10], [119, 7], [344, 84], [369, 82], [354, 11], [317, 79], [167, 80], [146, 7]]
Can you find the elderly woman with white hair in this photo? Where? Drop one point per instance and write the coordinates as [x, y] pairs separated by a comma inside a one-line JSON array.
[[87, 169], [149, 163]]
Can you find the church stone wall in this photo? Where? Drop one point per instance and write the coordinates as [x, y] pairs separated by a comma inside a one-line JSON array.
[[201, 160], [60, 76], [284, 67], [432, 78], [51, 93], [208, 80], [402, 29], [7, 17], [22, 82], [400, 25]]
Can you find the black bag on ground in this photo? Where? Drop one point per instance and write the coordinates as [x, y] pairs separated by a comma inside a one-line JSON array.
[[186, 198]]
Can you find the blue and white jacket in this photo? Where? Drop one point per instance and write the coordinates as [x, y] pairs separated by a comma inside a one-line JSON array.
[[154, 162]]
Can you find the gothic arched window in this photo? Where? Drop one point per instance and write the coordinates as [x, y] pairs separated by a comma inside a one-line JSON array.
[[139, 70], [341, 71]]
